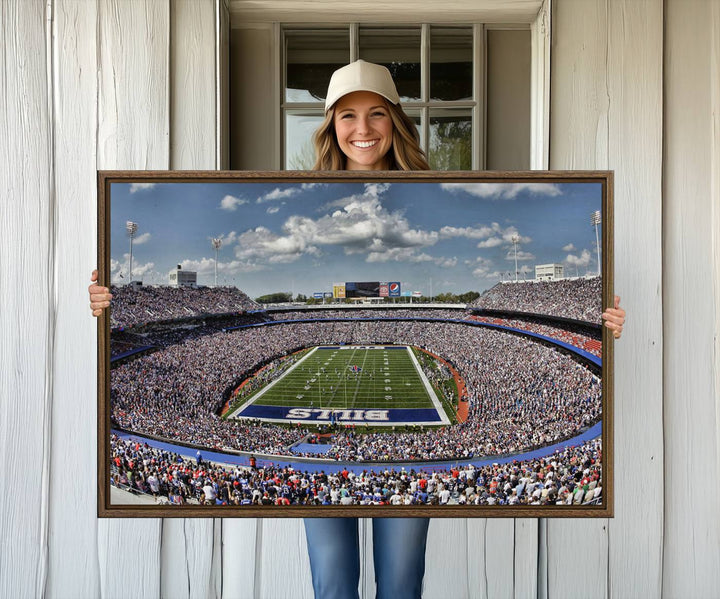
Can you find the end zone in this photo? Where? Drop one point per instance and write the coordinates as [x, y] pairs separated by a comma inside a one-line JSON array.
[[317, 416]]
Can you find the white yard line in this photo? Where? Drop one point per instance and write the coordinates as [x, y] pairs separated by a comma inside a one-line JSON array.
[[359, 379], [418, 369], [429, 389], [270, 385]]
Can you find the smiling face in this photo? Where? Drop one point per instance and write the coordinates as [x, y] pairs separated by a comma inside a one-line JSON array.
[[364, 130]]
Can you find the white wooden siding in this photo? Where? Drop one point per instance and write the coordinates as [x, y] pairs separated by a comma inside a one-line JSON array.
[[606, 112], [692, 397], [27, 314], [133, 133], [635, 87], [73, 539], [579, 102], [190, 558]]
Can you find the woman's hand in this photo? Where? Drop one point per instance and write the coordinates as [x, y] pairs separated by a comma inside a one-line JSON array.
[[99, 296], [615, 318]]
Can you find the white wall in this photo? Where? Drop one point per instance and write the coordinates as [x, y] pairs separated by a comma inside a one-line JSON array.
[[88, 85], [690, 298], [508, 100], [607, 112]]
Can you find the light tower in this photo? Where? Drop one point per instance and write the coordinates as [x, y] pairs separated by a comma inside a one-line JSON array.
[[515, 240], [131, 229], [216, 244], [595, 220]]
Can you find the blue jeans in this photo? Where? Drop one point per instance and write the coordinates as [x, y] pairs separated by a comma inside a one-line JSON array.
[[398, 552]]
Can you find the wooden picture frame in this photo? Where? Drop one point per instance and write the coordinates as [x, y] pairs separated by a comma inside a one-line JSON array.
[[425, 362]]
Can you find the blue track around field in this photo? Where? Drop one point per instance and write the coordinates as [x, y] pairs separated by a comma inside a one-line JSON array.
[[358, 467]]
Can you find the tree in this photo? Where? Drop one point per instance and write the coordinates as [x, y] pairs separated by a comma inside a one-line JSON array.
[[451, 145], [278, 297], [468, 297], [303, 159]]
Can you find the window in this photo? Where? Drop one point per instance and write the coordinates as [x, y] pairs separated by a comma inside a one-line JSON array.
[[436, 70]]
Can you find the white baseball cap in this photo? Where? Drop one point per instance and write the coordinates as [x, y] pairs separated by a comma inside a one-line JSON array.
[[361, 76]]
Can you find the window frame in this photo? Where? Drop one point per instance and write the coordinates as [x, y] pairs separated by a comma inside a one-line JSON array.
[[423, 107]]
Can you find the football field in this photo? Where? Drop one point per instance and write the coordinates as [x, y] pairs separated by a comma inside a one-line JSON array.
[[358, 384]]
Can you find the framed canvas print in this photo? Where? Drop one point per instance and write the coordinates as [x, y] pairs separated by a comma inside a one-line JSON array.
[[375, 344]]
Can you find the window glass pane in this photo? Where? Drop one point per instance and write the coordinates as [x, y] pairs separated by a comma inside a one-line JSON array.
[[415, 116], [311, 58], [450, 145], [451, 56], [299, 149], [399, 51]]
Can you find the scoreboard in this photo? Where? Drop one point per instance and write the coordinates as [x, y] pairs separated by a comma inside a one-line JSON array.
[[359, 289]]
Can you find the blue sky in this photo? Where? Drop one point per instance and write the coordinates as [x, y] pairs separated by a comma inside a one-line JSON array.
[[302, 238]]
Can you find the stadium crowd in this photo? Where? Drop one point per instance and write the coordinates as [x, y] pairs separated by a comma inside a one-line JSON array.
[[132, 306], [577, 336], [176, 393], [569, 298], [579, 299], [369, 313], [572, 476]]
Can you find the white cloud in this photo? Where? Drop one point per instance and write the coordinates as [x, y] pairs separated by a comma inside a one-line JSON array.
[[511, 232], [569, 248], [229, 239], [410, 255], [446, 262], [225, 240], [502, 191], [480, 272], [469, 232], [120, 271], [206, 266], [492, 236], [231, 203], [261, 244], [490, 243], [135, 187], [582, 260], [140, 239], [279, 194], [359, 224], [399, 255], [273, 209], [520, 255], [481, 268]]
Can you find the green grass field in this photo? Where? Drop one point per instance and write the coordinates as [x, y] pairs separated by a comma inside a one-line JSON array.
[[324, 378]]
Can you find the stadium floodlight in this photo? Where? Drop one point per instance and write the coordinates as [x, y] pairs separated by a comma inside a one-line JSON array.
[[131, 229], [216, 243], [595, 220], [515, 240]]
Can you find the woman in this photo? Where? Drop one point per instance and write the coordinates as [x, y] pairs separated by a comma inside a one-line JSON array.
[[365, 129]]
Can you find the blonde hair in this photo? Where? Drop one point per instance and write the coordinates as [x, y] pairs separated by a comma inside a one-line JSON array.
[[404, 155]]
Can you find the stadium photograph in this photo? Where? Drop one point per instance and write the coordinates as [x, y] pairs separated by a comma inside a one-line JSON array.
[[348, 346]]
